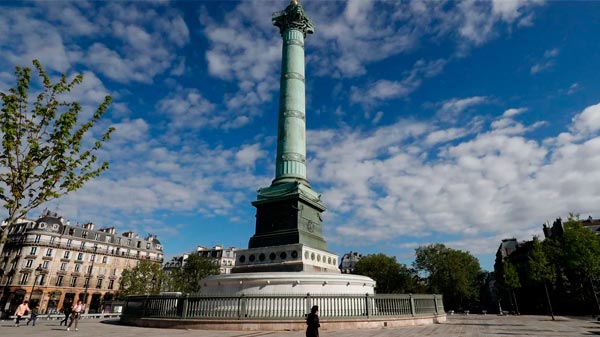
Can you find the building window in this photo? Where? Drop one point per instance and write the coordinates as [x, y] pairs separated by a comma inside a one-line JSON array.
[[80, 257], [63, 266], [41, 280], [104, 259], [37, 238], [86, 282], [73, 281], [84, 234], [114, 272], [45, 264], [24, 278], [99, 284], [33, 251], [89, 269], [59, 281], [82, 245], [66, 254], [18, 251], [29, 263], [49, 252], [77, 267], [148, 245], [52, 239], [69, 243], [92, 257], [111, 283]]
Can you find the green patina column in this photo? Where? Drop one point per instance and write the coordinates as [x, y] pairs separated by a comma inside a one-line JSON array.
[[289, 211], [290, 165]]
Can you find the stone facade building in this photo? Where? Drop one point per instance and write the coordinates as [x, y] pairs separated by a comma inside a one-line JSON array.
[[223, 257], [348, 262], [52, 263]]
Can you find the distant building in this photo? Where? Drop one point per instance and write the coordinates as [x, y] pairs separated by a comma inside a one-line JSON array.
[[348, 262], [64, 262], [223, 257]]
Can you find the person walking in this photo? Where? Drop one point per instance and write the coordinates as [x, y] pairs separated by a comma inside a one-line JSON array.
[[22, 309], [67, 312], [312, 320], [75, 315], [33, 316]]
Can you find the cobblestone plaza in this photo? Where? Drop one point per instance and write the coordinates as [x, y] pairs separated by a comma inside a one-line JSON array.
[[456, 326]]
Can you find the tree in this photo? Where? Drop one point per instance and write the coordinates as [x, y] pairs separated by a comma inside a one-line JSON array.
[[581, 254], [188, 277], [511, 280], [143, 279], [44, 154], [391, 276], [541, 270], [455, 274]]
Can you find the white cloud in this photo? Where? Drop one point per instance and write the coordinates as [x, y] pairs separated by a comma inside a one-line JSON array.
[[248, 155], [546, 62], [457, 105], [573, 88], [588, 121], [188, 109], [395, 189], [382, 90], [513, 112]]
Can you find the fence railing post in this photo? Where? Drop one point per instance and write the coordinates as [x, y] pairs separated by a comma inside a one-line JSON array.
[[435, 305], [307, 304], [412, 304], [144, 303], [242, 301], [368, 305], [184, 306]]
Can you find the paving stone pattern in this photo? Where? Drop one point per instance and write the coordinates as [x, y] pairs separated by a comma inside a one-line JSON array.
[[456, 326]]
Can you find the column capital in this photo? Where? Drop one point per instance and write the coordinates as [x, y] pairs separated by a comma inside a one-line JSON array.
[[293, 17]]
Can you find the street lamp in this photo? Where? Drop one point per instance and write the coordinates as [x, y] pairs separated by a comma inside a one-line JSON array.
[[89, 278], [36, 272]]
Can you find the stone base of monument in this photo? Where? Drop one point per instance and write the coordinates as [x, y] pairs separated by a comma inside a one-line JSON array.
[[284, 283], [285, 258]]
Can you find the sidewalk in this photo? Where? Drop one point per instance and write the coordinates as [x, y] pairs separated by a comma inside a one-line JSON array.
[[456, 326]]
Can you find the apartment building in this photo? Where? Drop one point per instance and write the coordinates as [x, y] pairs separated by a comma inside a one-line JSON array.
[[51, 263]]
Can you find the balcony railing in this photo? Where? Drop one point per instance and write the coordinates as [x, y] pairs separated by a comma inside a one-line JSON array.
[[283, 306], [90, 249]]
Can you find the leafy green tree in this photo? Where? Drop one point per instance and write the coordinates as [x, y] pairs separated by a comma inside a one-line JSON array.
[[143, 279], [581, 254], [541, 270], [511, 280], [187, 278], [44, 155], [391, 276], [455, 274]]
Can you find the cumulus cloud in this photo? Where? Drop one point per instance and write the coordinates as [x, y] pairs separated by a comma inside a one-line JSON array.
[[188, 109], [457, 105], [488, 178]]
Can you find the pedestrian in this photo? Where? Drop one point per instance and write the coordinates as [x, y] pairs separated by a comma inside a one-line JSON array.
[[33, 316], [66, 310], [312, 320], [75, 314], [22, 309]]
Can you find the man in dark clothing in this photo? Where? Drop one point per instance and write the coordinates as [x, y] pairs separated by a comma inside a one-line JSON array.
[[67, 312], [312, 320], [33, 316]]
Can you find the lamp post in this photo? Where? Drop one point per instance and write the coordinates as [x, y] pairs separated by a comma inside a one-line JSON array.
[[89, 279], [36, 272]]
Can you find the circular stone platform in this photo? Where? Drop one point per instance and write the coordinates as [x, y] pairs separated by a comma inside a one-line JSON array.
[[284, 283]]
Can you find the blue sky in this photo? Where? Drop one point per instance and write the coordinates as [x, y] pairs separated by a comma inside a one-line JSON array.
[[456, 122]]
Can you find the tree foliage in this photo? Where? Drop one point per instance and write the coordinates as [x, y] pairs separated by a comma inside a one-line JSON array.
[[187, 278], [45, 154], [540, 268], [455, 274], [510, 275], [143, 279], [391, 276]]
